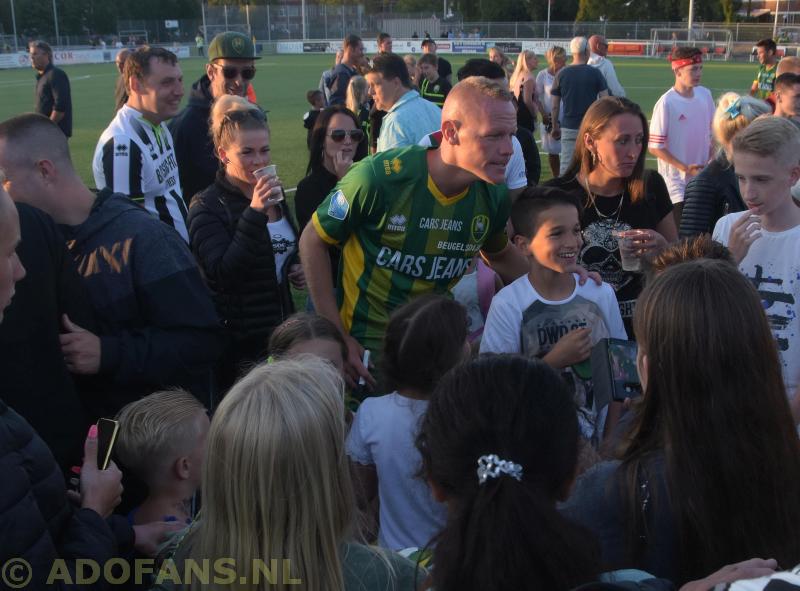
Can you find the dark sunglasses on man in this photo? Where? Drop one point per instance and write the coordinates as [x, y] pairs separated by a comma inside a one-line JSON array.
[[338, 135], [231, 72]]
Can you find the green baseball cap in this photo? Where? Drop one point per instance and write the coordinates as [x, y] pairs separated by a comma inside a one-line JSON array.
[[232, 45]]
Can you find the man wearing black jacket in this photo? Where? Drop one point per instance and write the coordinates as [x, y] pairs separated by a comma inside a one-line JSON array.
[[36, 382], [230, 70], [157, 324]]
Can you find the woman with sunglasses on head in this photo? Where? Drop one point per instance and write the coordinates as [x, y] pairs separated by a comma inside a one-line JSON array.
[[337, 141], [242, 234]]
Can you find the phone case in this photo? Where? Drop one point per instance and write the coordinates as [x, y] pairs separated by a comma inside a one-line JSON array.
[[614, 371]]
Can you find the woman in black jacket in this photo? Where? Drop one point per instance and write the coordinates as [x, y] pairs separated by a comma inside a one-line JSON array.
[[336, 142], [243, 237], [715, 191]]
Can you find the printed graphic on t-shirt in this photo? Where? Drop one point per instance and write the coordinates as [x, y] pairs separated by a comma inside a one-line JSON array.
[[778, 301], [281, 244], [600, 252], [543, 325]]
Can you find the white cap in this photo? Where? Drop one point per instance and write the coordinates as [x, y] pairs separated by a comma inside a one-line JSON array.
[[578, 45]]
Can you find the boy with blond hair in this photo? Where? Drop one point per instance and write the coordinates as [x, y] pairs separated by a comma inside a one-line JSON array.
[[765, 239], [162, 440]]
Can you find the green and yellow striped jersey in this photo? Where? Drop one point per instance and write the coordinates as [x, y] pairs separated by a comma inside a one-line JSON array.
[[401, 237]]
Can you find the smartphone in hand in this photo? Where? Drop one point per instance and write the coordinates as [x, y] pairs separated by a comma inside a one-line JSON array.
[[106, 437]]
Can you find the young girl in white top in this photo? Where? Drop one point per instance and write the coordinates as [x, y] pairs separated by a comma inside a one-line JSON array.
[[424, 339]]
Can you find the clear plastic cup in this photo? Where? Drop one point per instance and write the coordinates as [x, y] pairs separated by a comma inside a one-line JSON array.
[[629, 255], [270, 171]]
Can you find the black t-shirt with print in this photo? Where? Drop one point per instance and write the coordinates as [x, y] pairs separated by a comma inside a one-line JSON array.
[[600, 252]]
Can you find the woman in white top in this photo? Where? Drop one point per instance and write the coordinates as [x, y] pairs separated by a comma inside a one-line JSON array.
[[556, 59]]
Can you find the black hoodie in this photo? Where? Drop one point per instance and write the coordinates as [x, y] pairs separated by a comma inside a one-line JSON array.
[[157, 323], [197, 164]]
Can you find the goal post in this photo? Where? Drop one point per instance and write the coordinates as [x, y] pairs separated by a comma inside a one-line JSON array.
[[716, 44]]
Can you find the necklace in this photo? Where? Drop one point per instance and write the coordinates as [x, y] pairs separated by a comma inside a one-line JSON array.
[[603, 217]]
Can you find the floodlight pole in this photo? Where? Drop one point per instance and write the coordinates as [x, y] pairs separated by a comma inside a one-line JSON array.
[[547, 31], [205, 28], [691, 20], [775, 25], [14, 25], [55, 20]]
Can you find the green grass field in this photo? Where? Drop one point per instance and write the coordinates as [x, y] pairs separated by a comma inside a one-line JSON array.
[[281, 84]]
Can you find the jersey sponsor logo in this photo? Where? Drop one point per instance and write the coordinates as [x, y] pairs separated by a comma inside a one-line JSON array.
[[447, 224], [121, 151], [395, 165], [397, 223], [338, 206], [429, 268], [165, 168], [479, 227]]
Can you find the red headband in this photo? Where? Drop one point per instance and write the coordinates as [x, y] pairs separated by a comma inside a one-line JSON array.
[[687, 61]]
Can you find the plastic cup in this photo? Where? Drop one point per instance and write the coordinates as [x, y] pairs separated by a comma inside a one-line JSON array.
[[631, 261], [270, 171]]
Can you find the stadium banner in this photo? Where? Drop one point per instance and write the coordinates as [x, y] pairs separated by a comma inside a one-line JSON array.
[[470, 46], [317, 47], [69, 57], [506, 46]]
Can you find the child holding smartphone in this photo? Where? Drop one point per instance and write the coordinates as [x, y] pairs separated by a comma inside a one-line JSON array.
[[546, 313]]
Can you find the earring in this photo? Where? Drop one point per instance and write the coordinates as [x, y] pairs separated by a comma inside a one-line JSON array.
[[594, 158]]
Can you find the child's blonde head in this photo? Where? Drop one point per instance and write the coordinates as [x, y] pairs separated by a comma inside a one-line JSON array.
[[157, 430], [734, 113], [770, 137]]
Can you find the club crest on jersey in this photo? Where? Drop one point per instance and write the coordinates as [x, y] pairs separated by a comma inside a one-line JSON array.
[[338, 206], [395, 165], [397, 223], [479, 227]]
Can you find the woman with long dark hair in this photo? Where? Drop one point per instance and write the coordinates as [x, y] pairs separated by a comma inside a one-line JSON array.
[[607, 175], [710, 471], [337, 141]]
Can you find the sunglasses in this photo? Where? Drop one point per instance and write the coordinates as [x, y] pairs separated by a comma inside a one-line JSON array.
[[240, 116], [338, 135], [231, 72]]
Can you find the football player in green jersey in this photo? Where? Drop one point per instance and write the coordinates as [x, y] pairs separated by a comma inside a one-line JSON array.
[[408, 219]]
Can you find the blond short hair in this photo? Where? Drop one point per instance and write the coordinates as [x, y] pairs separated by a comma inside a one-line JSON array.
[[725, 125], [789, 63], [770, 137], [495, 89], [156, 430]]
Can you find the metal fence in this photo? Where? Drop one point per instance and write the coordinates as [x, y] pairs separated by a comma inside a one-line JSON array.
[[290, 22]]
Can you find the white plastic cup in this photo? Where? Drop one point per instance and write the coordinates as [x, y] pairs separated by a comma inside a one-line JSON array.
[[269, 171], [631, 261]]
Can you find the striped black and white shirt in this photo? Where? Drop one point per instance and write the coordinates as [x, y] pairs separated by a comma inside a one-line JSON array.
[[136, 158], [780, 581]]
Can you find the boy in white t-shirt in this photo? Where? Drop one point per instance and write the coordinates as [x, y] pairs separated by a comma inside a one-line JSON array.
[[765, 239], [546, 313], [680, 129]]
